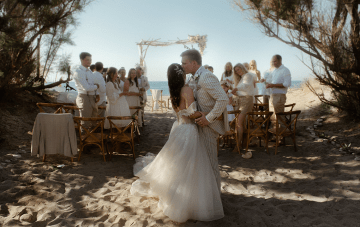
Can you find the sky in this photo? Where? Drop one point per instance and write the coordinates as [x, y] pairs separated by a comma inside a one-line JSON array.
[[110, 29]]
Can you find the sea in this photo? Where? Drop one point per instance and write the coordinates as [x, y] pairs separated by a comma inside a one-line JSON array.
[[161, 85]]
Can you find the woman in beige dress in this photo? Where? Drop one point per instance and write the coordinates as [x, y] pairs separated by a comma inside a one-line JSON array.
[[131, 88], [244, 89]]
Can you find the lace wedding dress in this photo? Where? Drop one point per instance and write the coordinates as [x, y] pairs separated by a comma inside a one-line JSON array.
[[180, 175]]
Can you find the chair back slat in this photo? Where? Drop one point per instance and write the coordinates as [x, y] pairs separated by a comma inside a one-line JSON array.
[[291, 106], [57, 106]]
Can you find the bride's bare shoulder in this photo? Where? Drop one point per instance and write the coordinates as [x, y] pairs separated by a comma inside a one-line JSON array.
[[187, 96]]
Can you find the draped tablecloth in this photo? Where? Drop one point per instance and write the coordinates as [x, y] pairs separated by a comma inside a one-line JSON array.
[[156, 96], [54, 134]]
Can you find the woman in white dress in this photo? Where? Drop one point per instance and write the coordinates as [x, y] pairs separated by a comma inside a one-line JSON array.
[[244, 89], [181, 175], [228, 74], [229, 106], [117, 104], [122, 77], [131, 88]]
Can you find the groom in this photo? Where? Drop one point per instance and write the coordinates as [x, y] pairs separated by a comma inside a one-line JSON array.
[[211, 101]]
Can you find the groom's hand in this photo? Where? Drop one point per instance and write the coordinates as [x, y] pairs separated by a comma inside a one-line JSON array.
[[202, 121]]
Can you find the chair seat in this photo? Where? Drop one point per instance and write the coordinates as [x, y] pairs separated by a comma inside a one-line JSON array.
[[253, 133], [91, 139], [122, 138], [287, 132]]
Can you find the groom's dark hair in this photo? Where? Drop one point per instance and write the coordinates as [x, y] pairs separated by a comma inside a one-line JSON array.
[[192, 55]]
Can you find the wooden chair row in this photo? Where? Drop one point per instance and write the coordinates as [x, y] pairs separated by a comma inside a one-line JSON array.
[[89, 133], [91, 130], [257, 126]]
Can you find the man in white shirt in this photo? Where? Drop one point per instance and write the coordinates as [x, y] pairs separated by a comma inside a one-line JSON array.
[[99, 79], [143, 83], [143, 86], [86, 99], [280, 82]]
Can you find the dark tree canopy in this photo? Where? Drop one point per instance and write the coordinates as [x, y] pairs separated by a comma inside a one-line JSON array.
[[26, 24], [327, 31]]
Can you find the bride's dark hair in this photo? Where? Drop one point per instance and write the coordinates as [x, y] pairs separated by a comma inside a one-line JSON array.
[[176, 80]]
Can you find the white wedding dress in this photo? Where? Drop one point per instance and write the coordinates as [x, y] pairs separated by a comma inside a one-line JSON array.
[[181, 175], [117, 106]]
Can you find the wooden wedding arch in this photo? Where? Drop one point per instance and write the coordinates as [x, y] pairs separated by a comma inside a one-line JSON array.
[[192, 39]]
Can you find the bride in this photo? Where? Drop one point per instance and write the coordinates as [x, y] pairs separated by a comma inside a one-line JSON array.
[[180, 175]]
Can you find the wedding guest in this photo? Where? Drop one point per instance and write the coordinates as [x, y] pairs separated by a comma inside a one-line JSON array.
[[257, 76], [104, 73], [246, 65], [117, 104], [133, 94], [86, 87], [99, 79], [122, 77], [211, 69], [143, 84], [143, 87], [92, 68], [229, 106], [267, 79], [281, 81], [244, 89], [253, 69], [228, 74]]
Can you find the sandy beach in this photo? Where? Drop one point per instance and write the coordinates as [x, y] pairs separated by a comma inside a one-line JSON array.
[[317, 186]]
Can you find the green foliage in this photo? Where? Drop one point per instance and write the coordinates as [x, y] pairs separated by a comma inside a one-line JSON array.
[[327, 31], [22, 24]]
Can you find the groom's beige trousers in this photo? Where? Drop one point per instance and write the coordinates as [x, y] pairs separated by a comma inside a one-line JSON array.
[[209, 137]]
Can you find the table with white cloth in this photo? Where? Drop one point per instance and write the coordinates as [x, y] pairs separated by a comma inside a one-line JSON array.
[[156, 97], [54, 134]]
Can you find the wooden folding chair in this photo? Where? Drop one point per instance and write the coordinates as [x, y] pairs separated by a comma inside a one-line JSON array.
[[261, 108], [287, 108], [90, 136], [57, 106], [285, 127], [255, 128], [232, 133], [160, 102], [120, 135]]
